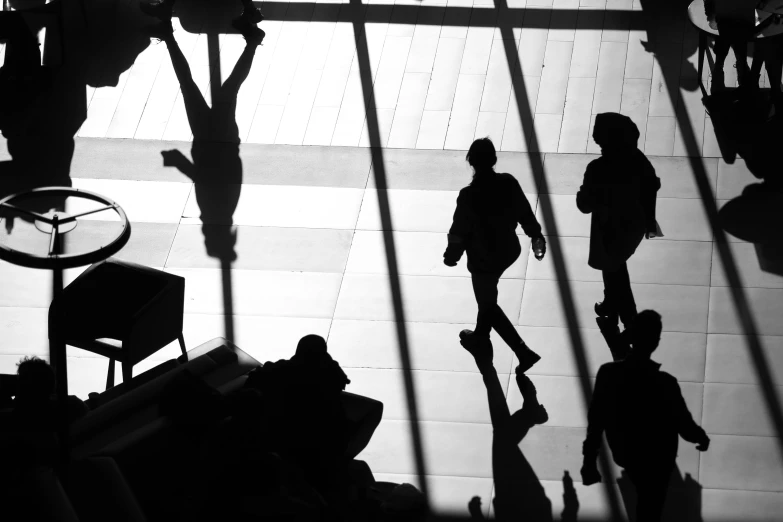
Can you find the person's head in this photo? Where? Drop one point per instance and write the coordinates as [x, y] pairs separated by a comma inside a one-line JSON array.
[[481, 155], [646, 333], [613, 131], [310, 347], [36, 379]]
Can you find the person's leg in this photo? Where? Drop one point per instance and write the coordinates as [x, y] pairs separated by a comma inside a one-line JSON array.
[[773, 62], [195, 105], [485, 288], [609, 306], [623, 294], [651, 485], [721, 50]]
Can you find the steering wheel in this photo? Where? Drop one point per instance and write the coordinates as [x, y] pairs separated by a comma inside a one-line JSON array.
[[56, 224]]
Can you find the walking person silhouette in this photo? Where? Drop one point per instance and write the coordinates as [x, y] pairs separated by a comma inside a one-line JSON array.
[[643, 413], [619, 189], [484, 225]]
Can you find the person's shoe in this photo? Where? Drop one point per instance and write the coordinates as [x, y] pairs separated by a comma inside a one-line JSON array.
[[480, 349], [160, 31], [161, 10], [249, 30], [527, 358], [252, 15], [536, 411]]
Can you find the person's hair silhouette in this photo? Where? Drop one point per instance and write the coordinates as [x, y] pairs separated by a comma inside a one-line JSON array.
[[619, 189], [36, 379], [643, 413], [485, 221]]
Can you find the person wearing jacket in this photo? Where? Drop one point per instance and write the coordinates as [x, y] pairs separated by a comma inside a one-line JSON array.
[[484, 227], [643, 413], [619, 189]]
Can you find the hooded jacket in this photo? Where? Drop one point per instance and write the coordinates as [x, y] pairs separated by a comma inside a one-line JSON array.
[[619, 189], [485, 223], [643, 413]]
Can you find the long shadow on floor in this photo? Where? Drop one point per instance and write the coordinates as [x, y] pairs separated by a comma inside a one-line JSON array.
[[216, 168], [40, 120], [518, 491], [744, 130]]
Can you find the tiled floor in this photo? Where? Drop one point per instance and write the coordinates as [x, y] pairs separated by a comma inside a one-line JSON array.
[[310, 245]]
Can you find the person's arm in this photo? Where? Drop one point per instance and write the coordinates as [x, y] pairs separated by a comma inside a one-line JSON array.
[[524, 212], [459, 233], [585, 198], [686, 426], [651, 184]]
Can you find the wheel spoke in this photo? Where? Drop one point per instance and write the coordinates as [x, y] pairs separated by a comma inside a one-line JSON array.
[[36, 215], [53, 239], [74, 217]]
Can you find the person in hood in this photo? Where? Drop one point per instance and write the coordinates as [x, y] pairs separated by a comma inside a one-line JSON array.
[[484, 227], [643, 413], [619, 190]]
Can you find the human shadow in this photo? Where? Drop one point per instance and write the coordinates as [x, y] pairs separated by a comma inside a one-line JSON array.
[[41, 119], [754, 215], [215, 168], [519, 494], [684, 494], [663, 23]]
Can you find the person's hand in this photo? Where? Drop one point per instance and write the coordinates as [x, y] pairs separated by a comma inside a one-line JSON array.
[[449, 262], [539, 248], [590, 474], [703, 445]]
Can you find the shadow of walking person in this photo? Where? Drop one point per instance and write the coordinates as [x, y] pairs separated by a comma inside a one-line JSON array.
[[216, 168], [44, 107], [519, 494]]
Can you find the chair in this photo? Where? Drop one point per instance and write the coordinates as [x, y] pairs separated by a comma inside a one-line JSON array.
[[120, 310]]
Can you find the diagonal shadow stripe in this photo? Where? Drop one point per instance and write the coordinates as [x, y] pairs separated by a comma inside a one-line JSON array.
[[358, 20], [738, 295], [564, 288]]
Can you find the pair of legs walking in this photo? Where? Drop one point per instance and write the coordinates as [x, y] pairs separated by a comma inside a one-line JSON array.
[[652, 485], [490, 315], [618, 300]]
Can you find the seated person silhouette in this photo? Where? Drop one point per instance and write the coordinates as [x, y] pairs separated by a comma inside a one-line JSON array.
[[31, 426], [245, 23], [313, 422], [643, 413], [484, 228], [518, 492], [619, 190], [35, 406]]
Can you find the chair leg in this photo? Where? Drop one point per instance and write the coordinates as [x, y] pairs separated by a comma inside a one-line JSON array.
[[181, 340], [110, 377], [127, 372]]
